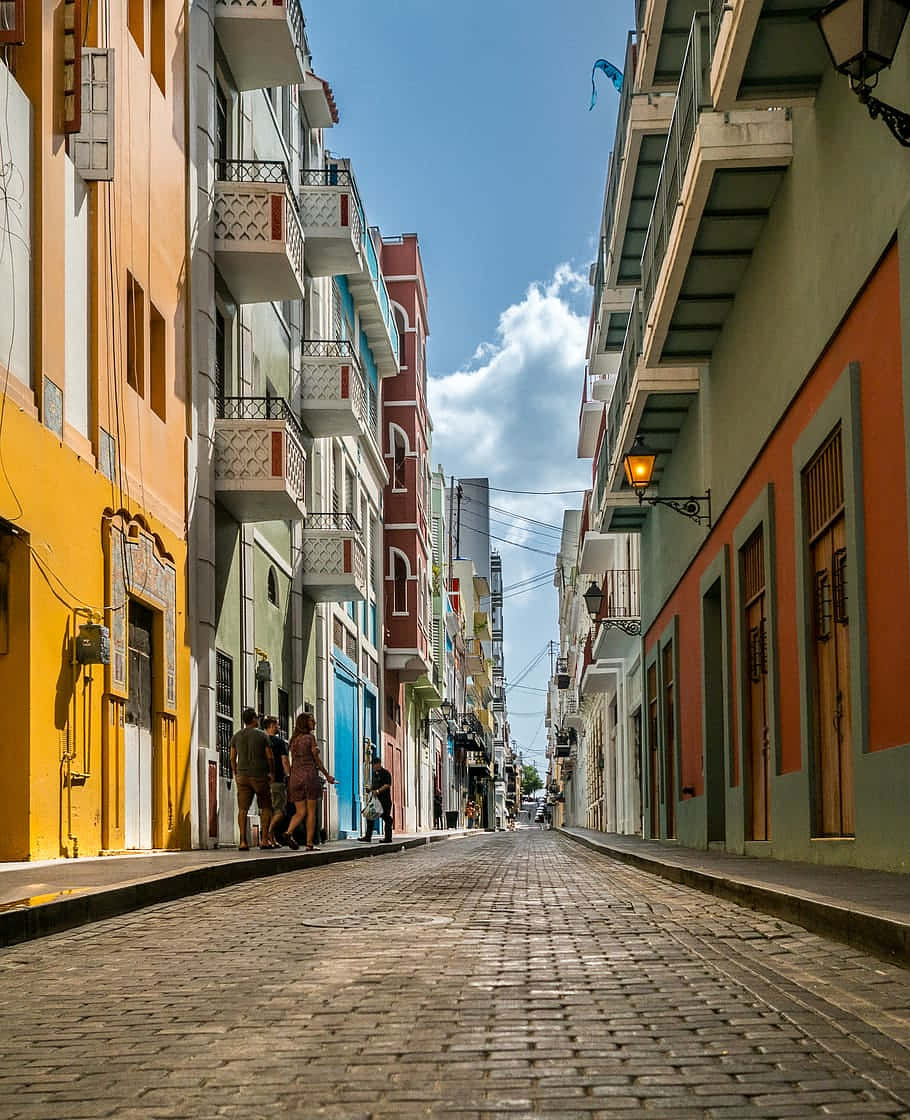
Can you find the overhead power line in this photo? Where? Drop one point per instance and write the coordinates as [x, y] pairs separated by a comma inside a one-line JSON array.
[[536, 493]]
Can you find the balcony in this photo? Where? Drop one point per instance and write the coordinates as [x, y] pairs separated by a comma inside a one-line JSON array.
[[641, 136], [259, 459], [609, 314], [596, 677], [663, 31], [572, 715], [334, 391], [318, 101], [375, 309], [620, 610], [649, 402], [717, 183], [589, 420], [334, 558], [264, 41], [764, 52], [258, 238], [475, 657], [332, 221], [482, 626]]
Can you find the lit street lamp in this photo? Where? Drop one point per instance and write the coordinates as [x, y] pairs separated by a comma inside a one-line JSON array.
[[639, 463]]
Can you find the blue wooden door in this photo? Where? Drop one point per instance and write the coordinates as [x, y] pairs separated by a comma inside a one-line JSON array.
[[346, 754]]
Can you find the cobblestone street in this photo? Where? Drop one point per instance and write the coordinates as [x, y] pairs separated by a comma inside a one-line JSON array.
[[499, 975]]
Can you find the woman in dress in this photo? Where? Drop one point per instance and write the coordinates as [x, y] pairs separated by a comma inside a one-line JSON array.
[[304, 788]]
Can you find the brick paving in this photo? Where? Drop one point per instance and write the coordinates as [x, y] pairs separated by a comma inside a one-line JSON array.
[[520, 975]]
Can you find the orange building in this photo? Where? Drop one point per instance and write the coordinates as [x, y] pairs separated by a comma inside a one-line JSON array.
[[94, 664]]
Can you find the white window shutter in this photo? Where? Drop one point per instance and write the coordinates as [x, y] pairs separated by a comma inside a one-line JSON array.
[[92, 148]]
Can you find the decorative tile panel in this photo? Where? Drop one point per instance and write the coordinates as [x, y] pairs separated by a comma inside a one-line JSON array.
[[137, 567], [53, 407]]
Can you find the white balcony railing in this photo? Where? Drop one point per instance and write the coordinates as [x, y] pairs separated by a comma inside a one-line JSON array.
[[260, 462], [332, 220], [334, 558], [334, 391], [258, 237]]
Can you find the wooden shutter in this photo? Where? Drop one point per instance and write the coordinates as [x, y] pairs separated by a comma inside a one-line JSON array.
[[824, 485], [92, 147]]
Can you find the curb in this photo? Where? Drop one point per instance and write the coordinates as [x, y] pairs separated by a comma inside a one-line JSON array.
[[27, 924], [884, 937]]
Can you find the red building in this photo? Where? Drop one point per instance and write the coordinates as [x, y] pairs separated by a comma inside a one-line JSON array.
[[410, 689]]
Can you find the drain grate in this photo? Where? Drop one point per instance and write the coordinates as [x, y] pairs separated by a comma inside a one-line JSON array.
[[374, 921]]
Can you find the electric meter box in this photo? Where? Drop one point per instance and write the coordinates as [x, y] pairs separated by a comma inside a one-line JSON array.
[[93, 645]]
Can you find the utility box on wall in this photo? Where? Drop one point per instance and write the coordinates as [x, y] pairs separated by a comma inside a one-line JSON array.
[[93, 645]]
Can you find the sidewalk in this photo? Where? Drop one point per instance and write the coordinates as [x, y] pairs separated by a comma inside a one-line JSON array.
[[868, 909], [48, 896]]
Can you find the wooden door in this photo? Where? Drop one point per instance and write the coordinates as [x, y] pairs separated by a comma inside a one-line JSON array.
[[670, 738], [755, 666], [138, 745], [653, 755], [833, 740]]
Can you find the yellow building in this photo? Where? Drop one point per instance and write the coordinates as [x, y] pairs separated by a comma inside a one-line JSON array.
[[93, 428]]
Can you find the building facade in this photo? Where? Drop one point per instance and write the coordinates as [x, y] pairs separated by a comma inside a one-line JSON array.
[[293, 332], [94, 646], [412, 676], [751, 323]]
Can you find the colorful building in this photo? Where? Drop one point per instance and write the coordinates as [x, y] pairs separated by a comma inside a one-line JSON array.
[[751, 312], [94, 393]]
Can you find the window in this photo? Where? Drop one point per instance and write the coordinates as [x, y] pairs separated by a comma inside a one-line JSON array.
[[402, 344], [221, 123], [400, 570], [220, 355], [398, 468], [224, 710], [157, 362], [284, 713], [135, 19], [273, 587], [669, 688], [135, 335], [156, 42]]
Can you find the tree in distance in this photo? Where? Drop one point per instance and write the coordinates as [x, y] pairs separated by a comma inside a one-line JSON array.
[[530, 779]]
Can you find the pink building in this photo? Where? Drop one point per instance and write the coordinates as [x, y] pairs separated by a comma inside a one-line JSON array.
[[411, 680]]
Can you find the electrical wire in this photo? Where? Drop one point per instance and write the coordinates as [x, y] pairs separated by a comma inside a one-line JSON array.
[[537, 493]]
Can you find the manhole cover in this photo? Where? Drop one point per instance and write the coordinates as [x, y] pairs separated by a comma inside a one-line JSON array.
[[374, 921]]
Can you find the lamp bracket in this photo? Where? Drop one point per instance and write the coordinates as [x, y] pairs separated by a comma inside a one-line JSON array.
[[630, 626], [695, 507], [896, 120]]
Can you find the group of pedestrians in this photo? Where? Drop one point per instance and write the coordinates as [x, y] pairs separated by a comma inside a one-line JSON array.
[[285, 780]]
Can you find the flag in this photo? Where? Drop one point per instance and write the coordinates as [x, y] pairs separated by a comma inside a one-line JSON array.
[[612, 72]]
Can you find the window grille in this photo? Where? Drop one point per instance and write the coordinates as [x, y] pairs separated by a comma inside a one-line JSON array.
[[224, 710], [753, 561], [273, 587], [338, 633], [350, 645], [824, 485]]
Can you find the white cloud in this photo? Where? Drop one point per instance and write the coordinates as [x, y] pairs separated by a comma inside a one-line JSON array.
[[513, 413]]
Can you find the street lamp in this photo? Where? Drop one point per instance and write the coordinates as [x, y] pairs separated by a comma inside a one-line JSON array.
[[862, 38], [593, 598], [639, 463]]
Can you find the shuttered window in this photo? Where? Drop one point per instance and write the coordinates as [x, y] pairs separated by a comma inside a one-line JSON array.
[[824, 485]]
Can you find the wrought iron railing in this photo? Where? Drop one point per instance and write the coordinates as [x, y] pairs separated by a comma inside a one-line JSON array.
[[328, 177], [621, 594], [258, 408], [255, 171], [330, 348], [334, 176], [617, 157], [341, 522], [692, 96]]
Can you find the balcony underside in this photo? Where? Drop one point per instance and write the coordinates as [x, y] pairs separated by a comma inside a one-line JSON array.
[[372, 320], [597, 553], [408, 664], [589, 428], [613, 643], [332, 249], [597, 679], [258, 243], [662, 46], [252, 501], [733, 174], [642, 158], [259, 469], [609, 328], [767, 53], [260, 45]]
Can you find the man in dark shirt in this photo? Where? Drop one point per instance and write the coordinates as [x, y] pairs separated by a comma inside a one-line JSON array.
[[278, 777], [382, 788], [251, 762]]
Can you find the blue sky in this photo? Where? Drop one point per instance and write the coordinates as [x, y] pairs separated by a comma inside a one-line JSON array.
[[469, 125]]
